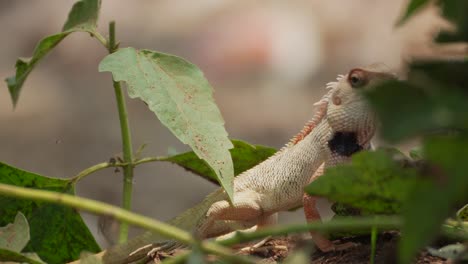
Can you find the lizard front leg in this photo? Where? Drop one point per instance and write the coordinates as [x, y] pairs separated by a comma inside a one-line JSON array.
[[312, 215], [244, 208]]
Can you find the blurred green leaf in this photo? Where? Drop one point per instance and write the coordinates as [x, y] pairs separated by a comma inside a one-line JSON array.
[[416, 153], [434, 199], [180, 96], [455, 11], [14, 236], [58, 233], [373, 182], [462, 214], [12, 256], [432, 100], [244, 157], [412, 8], [82, 17]]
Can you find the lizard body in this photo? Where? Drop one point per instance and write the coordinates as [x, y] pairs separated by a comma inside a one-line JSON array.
[[342, 125]]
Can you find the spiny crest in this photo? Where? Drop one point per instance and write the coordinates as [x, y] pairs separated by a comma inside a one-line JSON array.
[[319, 114]]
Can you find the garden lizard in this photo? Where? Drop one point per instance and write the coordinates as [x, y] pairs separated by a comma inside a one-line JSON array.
[[342, 125]]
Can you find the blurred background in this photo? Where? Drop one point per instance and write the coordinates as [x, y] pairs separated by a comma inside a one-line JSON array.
[[267, 60]]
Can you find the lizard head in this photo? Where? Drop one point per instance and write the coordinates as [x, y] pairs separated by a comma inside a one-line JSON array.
[[347, 111]]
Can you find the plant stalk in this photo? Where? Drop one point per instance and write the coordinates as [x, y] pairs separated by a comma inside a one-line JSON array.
[[126, 141]]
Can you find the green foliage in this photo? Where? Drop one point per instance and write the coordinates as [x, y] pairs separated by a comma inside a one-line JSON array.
[[436, 197], [432, 99], [372, 182], [58, 234], [453, 10], [244, 157], [83, 17], [13, 239], [178, 93], [413, 7]]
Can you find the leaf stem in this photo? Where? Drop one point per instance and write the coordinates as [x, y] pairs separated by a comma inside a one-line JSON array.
[[120, 214], [104, 165], [100, 38]]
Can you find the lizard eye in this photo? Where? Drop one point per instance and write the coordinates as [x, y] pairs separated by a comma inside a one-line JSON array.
[[357, 78]]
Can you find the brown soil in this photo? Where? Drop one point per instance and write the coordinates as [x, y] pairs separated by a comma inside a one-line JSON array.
[[277, 249]]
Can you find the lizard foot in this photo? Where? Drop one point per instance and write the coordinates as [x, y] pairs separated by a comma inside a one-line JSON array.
[[255, 247], [154, 250]]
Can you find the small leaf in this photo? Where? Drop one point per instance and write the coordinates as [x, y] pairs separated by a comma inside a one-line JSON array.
[[82, 17], [180, 96], [244, 157], [15, 236], [434, 199], [58, 233], [412, 8], [372, 182], [12, 256]]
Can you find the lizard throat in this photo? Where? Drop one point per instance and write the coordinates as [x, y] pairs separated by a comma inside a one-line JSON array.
[[344, 143]]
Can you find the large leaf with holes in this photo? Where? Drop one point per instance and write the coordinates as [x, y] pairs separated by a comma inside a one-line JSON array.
[[82, 17], [244, 157], [58, 233], [180, 96], [373, 182]]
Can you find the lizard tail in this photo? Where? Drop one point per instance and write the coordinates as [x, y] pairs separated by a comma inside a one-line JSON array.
[[189, 220]]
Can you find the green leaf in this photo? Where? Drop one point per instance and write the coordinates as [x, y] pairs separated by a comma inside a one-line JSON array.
[[178, 93], [244, 157], [12, 256], [432, 100], [373, 182], [462, 214], [15, 236], [434, 199], [416, 153], [455, 12], [412, 8], [58, 233], [82, 17]]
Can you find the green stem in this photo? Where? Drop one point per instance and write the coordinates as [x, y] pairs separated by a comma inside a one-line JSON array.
[[120, 214], [344, 224], [126, 141], [127, 157], [100, 38], [373, 244], [105, 165]]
